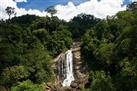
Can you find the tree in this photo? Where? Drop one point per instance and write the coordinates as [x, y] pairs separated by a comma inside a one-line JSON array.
[[51, 10], [27, 86], [37, 58], [88, 47], [132, 6], [13, 74], [59, 41], [24, 21], [81, 23], [101, 82], [104, 55], [10, 11]]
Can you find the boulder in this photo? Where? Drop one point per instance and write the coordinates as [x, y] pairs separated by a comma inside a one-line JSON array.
[[74, 84]]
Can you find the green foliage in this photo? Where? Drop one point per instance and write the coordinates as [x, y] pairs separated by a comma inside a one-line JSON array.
[[79, 24], [101, 29], [101, 82], [126, 79], [112, 47], [13, 74], [10, 45], [53, 34], [58, 41], [24, 21], [42, 35], [109, 49], [27, 86], [27, 46], [39, 62], [47, 23], [105, 53]]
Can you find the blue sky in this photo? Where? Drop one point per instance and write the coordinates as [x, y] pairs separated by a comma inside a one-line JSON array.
[[43, 4]]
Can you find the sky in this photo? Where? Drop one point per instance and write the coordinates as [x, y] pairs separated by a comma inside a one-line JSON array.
[[66, 9], [43, 4]]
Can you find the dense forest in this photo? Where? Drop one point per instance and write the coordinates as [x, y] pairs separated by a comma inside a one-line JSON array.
[[29, 43]]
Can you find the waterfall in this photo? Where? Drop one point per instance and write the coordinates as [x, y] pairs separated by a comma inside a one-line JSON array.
[[68, 69]]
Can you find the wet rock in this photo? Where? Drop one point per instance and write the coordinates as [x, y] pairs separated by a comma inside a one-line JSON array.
[[74, 84], [47, 88], [58, 88], [78, 89]]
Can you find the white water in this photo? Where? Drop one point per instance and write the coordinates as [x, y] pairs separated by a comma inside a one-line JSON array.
[[69, 69]]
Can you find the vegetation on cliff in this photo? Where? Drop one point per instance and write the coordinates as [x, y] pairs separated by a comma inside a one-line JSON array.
[[109, 48], [110, 51]]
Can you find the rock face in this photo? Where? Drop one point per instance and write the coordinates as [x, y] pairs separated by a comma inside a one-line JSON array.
[[78, 69], [79, 73], [77, 63], [60, 64]]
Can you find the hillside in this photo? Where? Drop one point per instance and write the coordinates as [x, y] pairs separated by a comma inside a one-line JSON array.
[[104, 52]]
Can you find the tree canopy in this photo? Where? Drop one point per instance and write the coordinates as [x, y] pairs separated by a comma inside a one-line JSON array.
[[28, 45]]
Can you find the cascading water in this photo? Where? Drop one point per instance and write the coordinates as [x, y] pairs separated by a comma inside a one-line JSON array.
[[69, 69]]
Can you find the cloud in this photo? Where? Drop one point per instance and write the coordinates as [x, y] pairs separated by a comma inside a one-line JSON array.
[[20, 11], [134, 0], [3, 5], [97, 8], [20, 0]]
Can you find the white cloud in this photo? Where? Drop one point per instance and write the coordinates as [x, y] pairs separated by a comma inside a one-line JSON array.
[[98, 8], [134, 0], [20, 11], [20, 0], [3, 5]]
